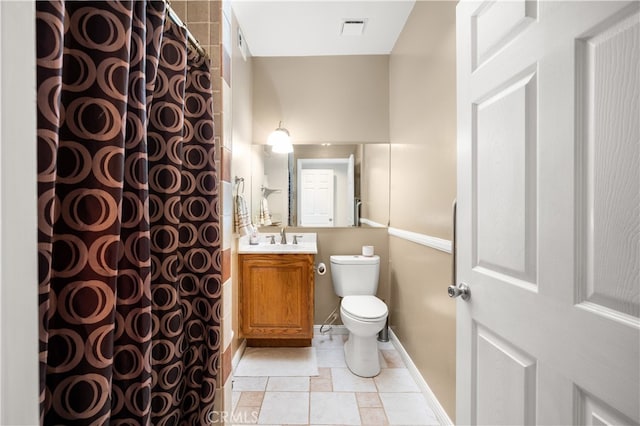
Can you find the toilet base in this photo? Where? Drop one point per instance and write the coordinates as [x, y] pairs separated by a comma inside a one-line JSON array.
[[361, 355]]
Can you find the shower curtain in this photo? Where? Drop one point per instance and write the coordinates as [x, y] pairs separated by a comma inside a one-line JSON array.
[[129, 236]]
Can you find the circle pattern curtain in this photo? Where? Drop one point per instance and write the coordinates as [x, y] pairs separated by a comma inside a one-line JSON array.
[[129, 235]]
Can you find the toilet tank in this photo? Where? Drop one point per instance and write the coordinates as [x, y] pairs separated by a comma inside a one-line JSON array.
[[355, 274]]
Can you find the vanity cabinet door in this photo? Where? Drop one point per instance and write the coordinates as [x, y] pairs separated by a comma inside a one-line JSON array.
[[276, 299]]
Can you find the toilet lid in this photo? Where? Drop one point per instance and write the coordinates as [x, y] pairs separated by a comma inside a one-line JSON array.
[[364, 307]]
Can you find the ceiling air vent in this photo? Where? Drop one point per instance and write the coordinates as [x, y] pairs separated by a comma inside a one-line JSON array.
[[352, 27]]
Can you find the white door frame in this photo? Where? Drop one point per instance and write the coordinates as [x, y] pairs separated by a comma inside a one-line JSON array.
[[19, 367]]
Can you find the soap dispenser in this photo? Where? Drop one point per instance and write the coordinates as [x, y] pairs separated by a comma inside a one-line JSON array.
[[254, 238]]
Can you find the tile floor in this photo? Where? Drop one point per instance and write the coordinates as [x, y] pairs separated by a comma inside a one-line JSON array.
[[336, 396]]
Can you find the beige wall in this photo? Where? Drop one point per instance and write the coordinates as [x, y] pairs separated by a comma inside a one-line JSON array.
[[375, 183], [241, 100], [423, 316], [423, 120], [422, 125], [322, 99]]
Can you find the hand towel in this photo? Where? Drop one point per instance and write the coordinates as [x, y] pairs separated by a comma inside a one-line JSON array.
[[241, 216], [265, 216]]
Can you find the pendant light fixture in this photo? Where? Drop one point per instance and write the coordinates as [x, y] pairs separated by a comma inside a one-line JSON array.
[[280, 140]]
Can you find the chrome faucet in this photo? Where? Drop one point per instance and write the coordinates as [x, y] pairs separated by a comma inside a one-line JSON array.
[[283, 236]]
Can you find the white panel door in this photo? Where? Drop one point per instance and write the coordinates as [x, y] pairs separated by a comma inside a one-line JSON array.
[[548, 237], [316, 197]]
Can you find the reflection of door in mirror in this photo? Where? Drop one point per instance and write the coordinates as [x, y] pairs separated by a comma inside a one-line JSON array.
[[337, 209], [316, 197]]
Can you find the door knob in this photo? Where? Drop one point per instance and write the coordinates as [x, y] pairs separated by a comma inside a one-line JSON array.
[[460, 290]]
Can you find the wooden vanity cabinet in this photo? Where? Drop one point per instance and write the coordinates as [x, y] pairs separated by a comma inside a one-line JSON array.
[[276, 299]]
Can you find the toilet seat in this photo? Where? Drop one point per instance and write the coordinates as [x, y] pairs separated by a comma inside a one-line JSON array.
[[364, 308]]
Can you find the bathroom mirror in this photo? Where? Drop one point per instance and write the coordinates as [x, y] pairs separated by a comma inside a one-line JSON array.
[[321, 185]]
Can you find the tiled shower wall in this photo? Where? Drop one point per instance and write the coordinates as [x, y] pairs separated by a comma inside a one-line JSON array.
[[209, 22]]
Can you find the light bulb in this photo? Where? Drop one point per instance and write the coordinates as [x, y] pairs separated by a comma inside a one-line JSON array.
[[278, 136], [282, 147], [280, 140]]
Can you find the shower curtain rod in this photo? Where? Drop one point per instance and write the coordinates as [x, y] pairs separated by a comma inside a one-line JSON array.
[[175, 18]]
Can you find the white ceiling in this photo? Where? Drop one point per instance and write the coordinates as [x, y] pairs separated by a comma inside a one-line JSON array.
[[312, 27]]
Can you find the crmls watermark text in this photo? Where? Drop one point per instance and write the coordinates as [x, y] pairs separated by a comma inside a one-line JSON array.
[[242, 417]]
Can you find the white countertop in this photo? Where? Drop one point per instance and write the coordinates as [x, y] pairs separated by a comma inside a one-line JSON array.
[[307, 244]]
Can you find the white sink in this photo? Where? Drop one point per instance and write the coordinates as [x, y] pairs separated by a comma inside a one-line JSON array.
[[307, 244]]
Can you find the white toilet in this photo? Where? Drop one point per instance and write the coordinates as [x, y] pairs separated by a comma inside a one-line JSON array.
[[355, 279]]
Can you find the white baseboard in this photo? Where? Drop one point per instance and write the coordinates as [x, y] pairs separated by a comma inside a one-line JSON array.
[[236, 358], [433, 402]]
